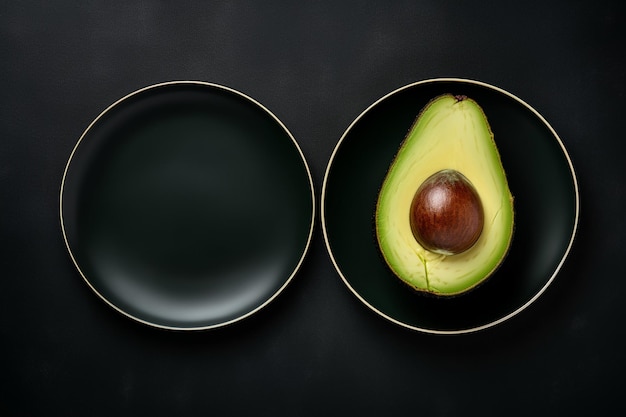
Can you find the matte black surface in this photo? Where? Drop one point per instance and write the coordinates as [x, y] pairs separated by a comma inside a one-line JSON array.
[[540, 178], [315, 350], [187, 206]]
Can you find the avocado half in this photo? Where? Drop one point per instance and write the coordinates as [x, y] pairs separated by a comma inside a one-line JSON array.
[[450, 133]]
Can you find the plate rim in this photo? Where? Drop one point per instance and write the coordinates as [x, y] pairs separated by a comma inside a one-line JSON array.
[[519, 309], [245, 97]]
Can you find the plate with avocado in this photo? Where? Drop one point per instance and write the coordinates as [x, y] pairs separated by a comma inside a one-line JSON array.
[[187, 205], [449, 206]]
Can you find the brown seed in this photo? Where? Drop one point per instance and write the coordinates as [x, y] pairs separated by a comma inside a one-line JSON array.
[[446, 213]]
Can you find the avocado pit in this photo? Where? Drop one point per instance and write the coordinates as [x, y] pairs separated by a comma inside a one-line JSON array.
[[446, 213]]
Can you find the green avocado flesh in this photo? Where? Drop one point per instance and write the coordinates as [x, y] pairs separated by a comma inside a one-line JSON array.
[[450, 133]]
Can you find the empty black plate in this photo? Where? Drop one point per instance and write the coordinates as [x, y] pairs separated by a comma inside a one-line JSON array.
[[541, 179], [187, 205]]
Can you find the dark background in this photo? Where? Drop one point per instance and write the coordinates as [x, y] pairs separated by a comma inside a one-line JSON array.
[[316, 350]]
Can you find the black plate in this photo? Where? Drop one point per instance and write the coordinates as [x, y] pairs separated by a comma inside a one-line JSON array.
[[187, 205], [541, 179]]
